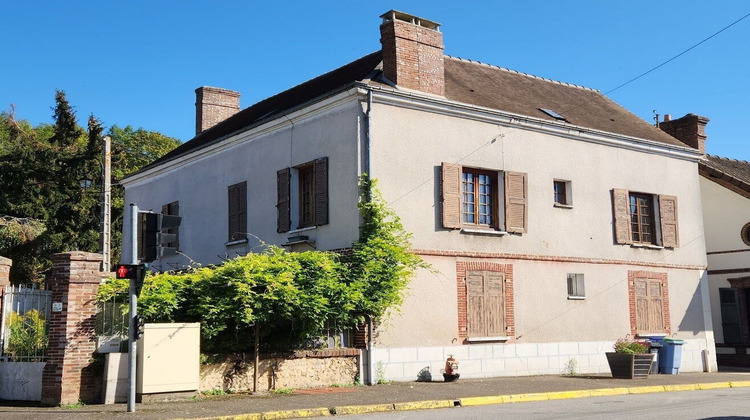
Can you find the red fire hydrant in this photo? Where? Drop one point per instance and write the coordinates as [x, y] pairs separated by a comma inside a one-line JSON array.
[[450, 373]]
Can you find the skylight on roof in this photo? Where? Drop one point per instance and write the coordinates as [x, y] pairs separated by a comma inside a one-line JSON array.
[[553, 114]]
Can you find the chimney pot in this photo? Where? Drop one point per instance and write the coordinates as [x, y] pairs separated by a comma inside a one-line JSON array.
[[667, 117], [214, 105], [413, 52]]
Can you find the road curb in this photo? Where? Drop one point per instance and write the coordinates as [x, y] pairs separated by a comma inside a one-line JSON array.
[[477, 401]]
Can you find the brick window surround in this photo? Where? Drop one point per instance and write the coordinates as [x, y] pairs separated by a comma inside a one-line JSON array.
[[462, 267], [650, 276]]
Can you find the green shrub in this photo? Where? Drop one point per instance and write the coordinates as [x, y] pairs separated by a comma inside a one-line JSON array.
[[291, 297], [27, 334], [624, 345]]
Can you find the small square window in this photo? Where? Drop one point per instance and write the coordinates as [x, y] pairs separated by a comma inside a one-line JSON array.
[[562, 193], [575, 286]]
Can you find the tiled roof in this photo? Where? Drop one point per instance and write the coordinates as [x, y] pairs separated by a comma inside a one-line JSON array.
[[270, 108], [506, 90], [729, 172], [466, 81]]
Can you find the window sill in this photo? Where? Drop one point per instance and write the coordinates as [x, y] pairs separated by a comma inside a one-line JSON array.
[[576, 297], [563, 206], [237, 242], [484, 231], [648, 246], [486, 339], [651, 335], [299, 239], [304, 229]]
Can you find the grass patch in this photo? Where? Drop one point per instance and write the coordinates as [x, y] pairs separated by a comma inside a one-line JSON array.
[[73, 406], [283, 391], [216, 391]]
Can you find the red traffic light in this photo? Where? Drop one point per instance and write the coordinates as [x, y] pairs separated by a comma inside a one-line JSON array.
[[127, 271]]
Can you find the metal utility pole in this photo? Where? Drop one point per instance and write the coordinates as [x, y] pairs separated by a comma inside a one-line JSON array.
[[133, 309], [105, 225]]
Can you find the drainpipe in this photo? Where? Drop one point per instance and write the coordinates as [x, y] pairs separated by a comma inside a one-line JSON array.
[[368, 171], [368, 135], [370, 364]]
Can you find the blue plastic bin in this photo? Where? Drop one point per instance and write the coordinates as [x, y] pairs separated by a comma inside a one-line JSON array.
[[670, 356]]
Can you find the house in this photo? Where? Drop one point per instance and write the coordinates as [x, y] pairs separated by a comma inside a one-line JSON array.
[[555, 220], [725, 195]]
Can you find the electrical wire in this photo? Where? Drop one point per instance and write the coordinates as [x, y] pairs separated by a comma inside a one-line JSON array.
[[678, 55]]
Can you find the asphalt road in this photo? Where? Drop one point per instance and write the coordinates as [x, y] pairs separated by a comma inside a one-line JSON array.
[[712, 404]]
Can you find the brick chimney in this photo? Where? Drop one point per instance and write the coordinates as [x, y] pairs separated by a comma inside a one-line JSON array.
[[214, 105], [690, 129], [413, 52]]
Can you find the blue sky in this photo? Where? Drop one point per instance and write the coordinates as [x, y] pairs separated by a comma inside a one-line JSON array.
[[138, 62]]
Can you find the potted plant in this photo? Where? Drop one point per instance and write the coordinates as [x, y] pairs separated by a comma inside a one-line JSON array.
[[630, 360]]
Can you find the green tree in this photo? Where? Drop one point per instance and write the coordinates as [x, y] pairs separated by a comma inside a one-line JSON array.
[[289, 296], [41, 169], [132, 149]]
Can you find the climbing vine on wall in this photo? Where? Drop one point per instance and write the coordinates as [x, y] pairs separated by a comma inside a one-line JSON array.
[[291, 296]]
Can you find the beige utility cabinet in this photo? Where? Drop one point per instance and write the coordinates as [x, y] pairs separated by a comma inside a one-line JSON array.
[[168, 358]]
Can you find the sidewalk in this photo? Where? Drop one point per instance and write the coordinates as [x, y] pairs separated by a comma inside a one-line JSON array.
[[389, 396]]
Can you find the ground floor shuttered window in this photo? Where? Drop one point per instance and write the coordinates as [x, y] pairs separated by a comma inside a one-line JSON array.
[[649, 302], [485, 304], [485, 300]]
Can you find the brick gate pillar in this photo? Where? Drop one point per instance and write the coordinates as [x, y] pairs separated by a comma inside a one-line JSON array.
[[5, 265], [74, 281]]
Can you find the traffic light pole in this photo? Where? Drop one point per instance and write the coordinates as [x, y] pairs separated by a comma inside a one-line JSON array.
[[133, 309]]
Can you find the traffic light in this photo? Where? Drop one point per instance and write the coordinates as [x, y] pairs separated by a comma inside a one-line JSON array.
[[153, 240], [127, 271], [135, 272]]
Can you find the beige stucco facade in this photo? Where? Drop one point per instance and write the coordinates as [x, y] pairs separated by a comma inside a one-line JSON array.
[[725, 213], [408, 147], [199, 182], [402, 142]]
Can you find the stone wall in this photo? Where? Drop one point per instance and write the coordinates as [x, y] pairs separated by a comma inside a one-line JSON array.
[[300, 369]]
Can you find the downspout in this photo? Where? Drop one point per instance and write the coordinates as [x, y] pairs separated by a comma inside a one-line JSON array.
[[368, 141], [370, 364], [368, 135]]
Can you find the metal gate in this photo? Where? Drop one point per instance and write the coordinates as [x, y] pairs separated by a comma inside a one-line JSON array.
[[23, 336]]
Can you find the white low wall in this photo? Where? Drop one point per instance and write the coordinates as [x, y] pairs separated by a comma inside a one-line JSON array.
[[21, 381], [521, 359]]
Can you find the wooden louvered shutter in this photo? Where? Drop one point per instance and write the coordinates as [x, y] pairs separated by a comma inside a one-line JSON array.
[[655, 310], [451, 195], [495, 304], [475, 320], [516, 202], [730, 315], [641, 305], [621, 213], [485, 304], [321, 191], [241, 211], [283, 207], [669, 228], [232, 213], [649, 305]]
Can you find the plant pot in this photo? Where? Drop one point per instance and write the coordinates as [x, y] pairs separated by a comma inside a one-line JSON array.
[[450, 377], [630, 366]]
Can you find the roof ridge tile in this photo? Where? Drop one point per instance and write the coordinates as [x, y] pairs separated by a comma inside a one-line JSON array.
[[522, 73]]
